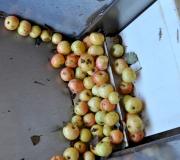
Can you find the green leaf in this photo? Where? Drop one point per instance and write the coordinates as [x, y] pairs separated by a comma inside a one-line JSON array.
[[131, 57]]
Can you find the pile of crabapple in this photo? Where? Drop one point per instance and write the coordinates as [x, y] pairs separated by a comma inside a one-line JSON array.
[[84, 67], [132, 105]]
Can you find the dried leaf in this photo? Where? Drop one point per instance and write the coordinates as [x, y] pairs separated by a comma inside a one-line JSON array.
[[131, 57]]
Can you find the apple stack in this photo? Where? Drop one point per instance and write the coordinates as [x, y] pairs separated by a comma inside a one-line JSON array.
[[95, 113], [132, 105]]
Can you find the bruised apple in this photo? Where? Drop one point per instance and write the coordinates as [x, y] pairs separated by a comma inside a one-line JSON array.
[[119, 65], [134, 105], [71, 61], [75, 85], [57, 60], [86, 62], [97, 130], [100, 77], [125, 88], [134, 123], [11, 23], [71, 132], [67, 74], [102, 62], [105, 105]]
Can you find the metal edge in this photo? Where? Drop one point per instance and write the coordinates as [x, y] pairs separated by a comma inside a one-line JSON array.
[[118, 108]]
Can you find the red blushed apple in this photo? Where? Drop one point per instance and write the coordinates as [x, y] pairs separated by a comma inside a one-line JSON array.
[[137, 137], [100, 77], [102, 62], [105, 105], [75, 85], [72, 61], [67, 74], [126, 88], [57, 60]]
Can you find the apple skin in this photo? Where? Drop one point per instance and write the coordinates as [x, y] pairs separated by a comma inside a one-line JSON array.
[[64, 47], [71, 153], [134, 105], [67, 74], [11, 23], [57, 60], [116, 136], [105, 105], [24, 28], [78, 47], [56, 38], [128, 75], [87, 41], [134, 123], [76, 85], [117, 50], [103, 149], [57, 157], [126, 88], [96, 50], [88, 155], [100, 77], [137, 137], [86, 62], [71, 132], [119, 65], [71, 61], [102, 62], [35, 31], [96, 38]]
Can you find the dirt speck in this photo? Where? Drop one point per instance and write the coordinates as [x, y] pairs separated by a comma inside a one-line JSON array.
[[35, 139]]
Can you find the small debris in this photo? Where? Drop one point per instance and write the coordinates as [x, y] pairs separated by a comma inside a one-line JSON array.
[[40, 83], [160, 34], [11, 58], [35, 139], [177, 35]]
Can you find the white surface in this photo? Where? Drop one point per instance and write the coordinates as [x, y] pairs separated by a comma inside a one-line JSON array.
[[158, 83]]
